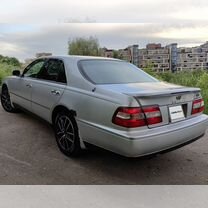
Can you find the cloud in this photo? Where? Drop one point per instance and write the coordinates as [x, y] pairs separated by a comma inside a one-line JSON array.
[[36, 26], [194, 14], [24, 43], [200, 33], [118, 11]]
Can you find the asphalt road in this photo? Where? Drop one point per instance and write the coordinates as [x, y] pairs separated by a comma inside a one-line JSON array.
[[29, 155]]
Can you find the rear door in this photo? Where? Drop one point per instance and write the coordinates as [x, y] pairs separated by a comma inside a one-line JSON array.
[[48, 88]]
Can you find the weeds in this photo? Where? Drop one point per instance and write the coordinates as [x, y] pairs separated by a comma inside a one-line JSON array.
[[189, 78]]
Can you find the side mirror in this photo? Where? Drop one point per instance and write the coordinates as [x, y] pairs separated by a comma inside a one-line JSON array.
[[16, 73]]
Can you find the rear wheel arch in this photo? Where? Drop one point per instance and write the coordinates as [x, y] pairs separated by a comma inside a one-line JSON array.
[[61, 108]]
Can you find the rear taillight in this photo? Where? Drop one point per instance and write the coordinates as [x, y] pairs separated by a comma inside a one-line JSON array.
[[129, 117], [153, 115], [198, 106], [137, 117]]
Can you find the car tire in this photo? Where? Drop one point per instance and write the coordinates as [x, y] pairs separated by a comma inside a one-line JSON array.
[[6, 101], [67, 134]]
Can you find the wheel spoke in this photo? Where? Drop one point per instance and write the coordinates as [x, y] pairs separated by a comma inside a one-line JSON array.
[[61, 138], [69, 139], [68, 126], [69, 133], [64, 123], [60, 125], [61, 141], [66, 144], [60, 132]]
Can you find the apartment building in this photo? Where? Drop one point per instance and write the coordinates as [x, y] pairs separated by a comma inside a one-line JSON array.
[[162, 59], [173, 51], [195, 58], [125, 54], [156, 57], [130, 54], [104, 52]]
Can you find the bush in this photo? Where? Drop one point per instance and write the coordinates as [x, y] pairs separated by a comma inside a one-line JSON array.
[[5, 70], [9, 60], [189, 79], [197, 78]]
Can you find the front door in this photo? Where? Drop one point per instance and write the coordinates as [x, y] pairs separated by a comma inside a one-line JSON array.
[[22, 87]]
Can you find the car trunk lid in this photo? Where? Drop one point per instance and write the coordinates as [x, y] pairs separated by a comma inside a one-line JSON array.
[[175, 102]]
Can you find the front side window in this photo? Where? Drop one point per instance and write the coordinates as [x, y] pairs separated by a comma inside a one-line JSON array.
[[113, 72], [34, 69], [54, 71]]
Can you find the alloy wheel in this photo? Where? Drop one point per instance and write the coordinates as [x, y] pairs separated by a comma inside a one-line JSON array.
[[65, 132]]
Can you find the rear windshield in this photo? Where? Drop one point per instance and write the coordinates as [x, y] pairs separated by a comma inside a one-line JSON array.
[[113, 72]]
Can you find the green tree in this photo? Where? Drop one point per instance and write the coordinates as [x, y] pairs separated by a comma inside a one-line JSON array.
[[9, 60], [117, 55], [84, 46]]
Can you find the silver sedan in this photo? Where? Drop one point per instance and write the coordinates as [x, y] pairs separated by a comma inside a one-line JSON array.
[[108, 103]]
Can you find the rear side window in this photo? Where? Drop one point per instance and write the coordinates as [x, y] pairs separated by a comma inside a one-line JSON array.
[[113, 72], [54, 71]]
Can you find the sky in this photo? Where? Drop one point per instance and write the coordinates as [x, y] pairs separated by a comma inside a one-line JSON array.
[[28, 27]]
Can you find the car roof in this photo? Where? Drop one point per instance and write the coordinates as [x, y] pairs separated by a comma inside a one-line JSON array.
[[77, 58]]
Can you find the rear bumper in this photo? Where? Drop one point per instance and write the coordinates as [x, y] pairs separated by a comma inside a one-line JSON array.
[[149, 141]]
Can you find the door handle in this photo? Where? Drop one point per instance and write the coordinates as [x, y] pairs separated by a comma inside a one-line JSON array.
[[55, 92], [29, 85]]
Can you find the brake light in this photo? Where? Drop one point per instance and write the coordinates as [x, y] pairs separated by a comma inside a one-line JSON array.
[[153, 115], [137, 117], [198, 106]]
